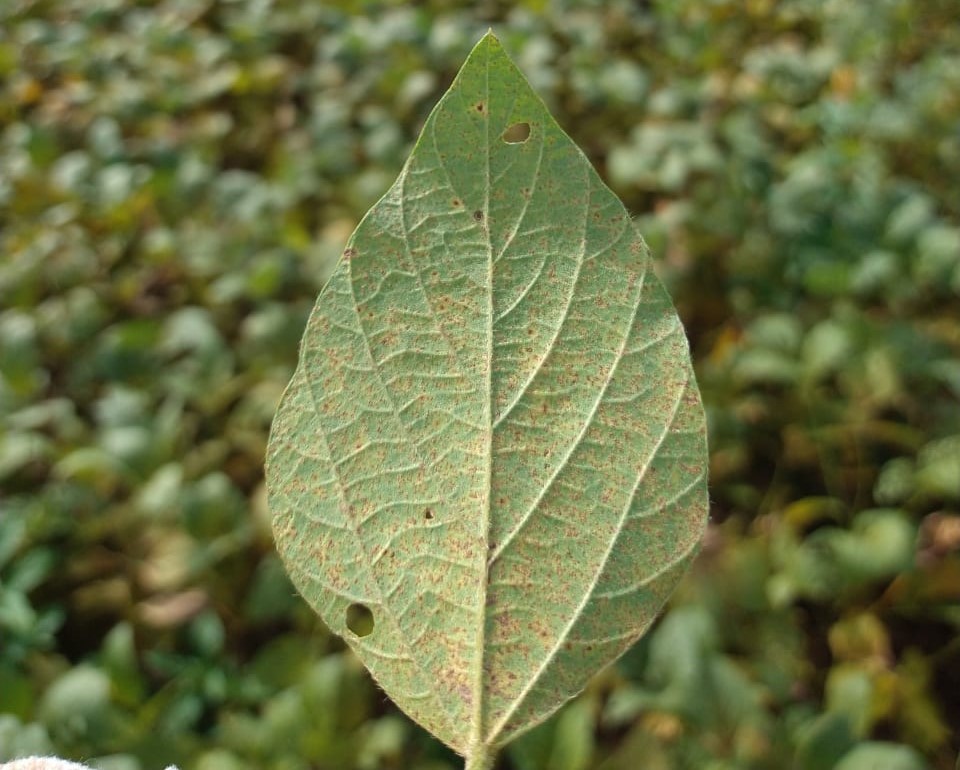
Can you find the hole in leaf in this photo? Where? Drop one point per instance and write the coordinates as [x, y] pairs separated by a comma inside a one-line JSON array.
[[360, 619], [478, 215], [428, 514], [518, 133]]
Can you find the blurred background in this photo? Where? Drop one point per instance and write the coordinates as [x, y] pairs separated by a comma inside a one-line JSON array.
[[177, 179]]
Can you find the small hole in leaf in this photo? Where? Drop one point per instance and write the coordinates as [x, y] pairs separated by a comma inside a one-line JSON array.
[[360, 619], [518, 133], [428, 514], [478, 215]]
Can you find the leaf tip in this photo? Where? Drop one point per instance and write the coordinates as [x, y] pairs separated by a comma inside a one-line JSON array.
[[490, 39]]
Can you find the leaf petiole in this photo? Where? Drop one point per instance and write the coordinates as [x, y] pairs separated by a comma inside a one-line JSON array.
[[480, 759]]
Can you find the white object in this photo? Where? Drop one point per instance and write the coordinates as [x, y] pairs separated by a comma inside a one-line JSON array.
[[46, 763]]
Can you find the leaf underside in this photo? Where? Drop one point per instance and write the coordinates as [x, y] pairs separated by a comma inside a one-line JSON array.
[[493, 440]]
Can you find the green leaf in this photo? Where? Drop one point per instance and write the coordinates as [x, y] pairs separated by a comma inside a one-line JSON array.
[[879, 755], [822, 742], [493, 447]]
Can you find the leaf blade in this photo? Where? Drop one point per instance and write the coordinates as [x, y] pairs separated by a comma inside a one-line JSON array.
[[499, 392]]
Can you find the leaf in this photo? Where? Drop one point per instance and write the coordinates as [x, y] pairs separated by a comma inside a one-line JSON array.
[[493, 450], [880, 755]]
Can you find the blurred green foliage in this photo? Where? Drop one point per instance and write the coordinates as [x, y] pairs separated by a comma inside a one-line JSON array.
[[177, 178]]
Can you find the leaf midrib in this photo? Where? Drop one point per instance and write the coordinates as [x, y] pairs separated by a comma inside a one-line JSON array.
[[476, 742]]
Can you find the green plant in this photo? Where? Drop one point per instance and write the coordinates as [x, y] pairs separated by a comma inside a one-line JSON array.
[[489, 469], [177, 182]]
